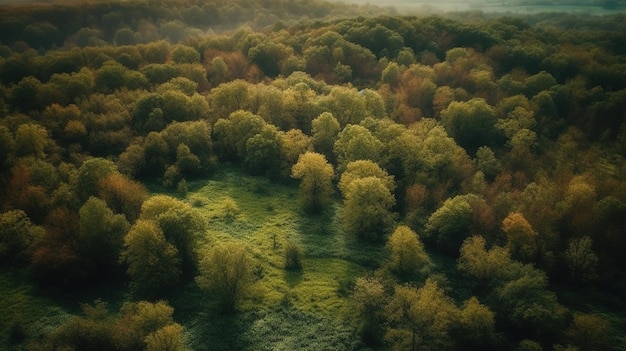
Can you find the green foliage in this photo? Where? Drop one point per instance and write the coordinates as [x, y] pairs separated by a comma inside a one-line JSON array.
[[370, 298], [408, 257], [471, 124], [316, 176], [18, 236], [89, 175], [450, 224], [367, 209], [354, 143], [31, 140], [363, 169], [231, 135], [476, 325], [263, 151], [325, 129], [153, 264], [581, 259], [101, 233], [155, 87], [293, 256], [181, 225], [226, 272], [420, 318]]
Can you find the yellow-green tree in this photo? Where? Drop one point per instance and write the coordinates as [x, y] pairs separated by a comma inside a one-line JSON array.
[[226, 273], [370, 298], [408, 256], [316, 176], [367, 209], [153, 263], [420, 319]]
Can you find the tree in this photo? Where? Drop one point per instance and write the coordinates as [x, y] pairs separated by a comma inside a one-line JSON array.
[[31, 140], [420, 319], [367, 209], [471, 124], [101, 234], [263, 151], [408, 257], [6, 146], [293, 256], [475, 327], [292, 144], [485, 267], [522, 239], [450, 224], [325, 129], [527, 304], [122, 195], [226, 273], [89, 175], [356, 143], [18, 236], [316, 176], [581, 259], [153, 263], [590, 332], [362, 169], [231, 135], [181, 226], [487, 162], [168, 338], [370, 298], [144, 325]]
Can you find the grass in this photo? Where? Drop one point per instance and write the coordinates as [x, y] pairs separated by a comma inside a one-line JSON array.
[[304, 309], [307, 309], [21, 303]]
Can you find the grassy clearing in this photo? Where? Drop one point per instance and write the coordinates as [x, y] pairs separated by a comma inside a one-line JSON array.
[[304, 309], [307, 309]]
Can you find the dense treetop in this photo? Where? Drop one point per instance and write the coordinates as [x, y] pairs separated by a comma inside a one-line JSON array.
[[478, 158]]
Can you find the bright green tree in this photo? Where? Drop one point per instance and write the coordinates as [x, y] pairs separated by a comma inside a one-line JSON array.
[[181, 225], [408, 257], [356, 143], [362, 169], [231, 135], [450, 224], [367, 209], [316, 176]]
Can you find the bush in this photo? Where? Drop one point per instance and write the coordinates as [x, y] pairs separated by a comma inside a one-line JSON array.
[[293, 257]]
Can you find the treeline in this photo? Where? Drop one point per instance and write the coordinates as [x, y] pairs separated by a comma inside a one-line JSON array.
[[499, 142], [44, 26]]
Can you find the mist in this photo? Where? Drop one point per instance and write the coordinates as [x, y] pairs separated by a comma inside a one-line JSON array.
[[590, 7]]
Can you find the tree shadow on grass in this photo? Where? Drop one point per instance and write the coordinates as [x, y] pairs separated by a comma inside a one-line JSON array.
[[206, 328]]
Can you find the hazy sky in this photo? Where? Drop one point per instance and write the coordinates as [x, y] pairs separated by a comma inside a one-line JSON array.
[[420, 6]]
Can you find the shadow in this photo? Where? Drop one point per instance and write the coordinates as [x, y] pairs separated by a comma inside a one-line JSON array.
[[293, 278]]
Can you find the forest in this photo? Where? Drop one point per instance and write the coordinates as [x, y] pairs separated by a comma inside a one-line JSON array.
[[310, 175]]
